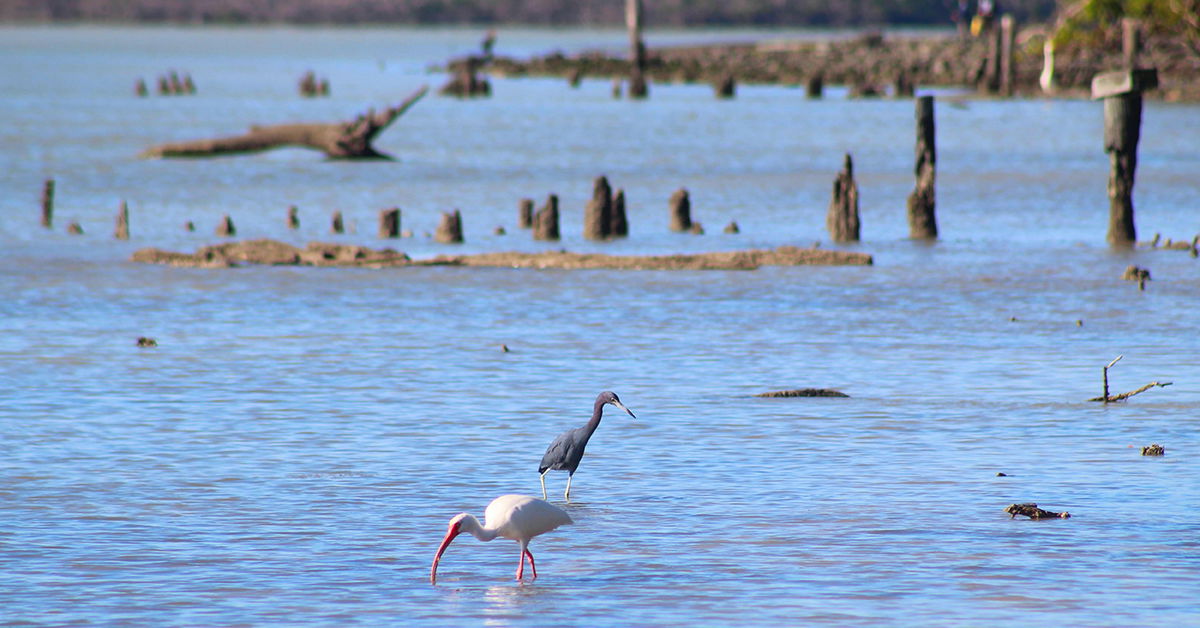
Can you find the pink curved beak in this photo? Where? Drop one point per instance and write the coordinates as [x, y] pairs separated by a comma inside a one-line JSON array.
[[450, 534]]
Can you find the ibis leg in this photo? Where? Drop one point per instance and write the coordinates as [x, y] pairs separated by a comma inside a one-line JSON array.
[[521, 567], [543, 479]]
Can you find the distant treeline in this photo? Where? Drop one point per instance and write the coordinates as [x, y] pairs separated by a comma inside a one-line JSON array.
[[533, 12]]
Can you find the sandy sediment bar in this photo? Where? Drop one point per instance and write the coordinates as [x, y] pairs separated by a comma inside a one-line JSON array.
[[275, 253]]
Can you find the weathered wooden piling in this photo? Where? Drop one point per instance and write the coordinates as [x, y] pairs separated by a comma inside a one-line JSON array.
[[681, 210], [225, 228], [842, 218], [140, 88], [48, 204], [903, 87], [525, 213], [597, 218], [725, 87], [637, 50], [293, 218], [1131, 41], [189, 226], [1008, 44], [619, 225], [991, 72], [922, 222], [74, 229], [122, 230], [1122, 94], [336, 225], [449, 230], [575, 77], [389, 223], [815, 85], [545, 222], [732, 228]]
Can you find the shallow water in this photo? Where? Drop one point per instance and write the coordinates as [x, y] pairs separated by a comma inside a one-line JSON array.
[[291, 451]]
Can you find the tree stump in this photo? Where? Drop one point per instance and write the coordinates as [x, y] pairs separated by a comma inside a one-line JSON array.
[[619, 225], [389, 223], [842, 218], [525, 213], [922, 223], [903, 86], [122, 229], [48, 204], [74, 229], [1008, 44], [597, 219], [293, 218], [225, 228], [575, 77], [681, 210], [140, 88], [725, 87], [732, 228], [336, 224], [449, 230], [545, 222]]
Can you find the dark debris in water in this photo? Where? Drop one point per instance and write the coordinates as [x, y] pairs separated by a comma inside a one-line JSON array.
[[1033, 512], [804, 392], [1154, 450]]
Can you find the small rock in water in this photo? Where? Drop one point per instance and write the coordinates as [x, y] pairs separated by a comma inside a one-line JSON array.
[[1001, 474], [1153, 450], [143, 341]]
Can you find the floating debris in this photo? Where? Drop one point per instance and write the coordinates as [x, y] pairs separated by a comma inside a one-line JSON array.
[[1033, 512], [1153, 450], [804, 392]]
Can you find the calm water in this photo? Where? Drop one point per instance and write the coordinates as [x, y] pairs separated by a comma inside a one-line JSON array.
[[292, 450]]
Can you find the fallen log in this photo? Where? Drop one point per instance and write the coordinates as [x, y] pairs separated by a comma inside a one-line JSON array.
[[338, 140], [271, 252]]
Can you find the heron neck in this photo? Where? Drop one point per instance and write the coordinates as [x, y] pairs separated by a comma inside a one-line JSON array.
[[594, 423], [472, 526]]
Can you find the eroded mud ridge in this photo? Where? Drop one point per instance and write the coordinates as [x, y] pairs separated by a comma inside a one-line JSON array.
[[273, 252]]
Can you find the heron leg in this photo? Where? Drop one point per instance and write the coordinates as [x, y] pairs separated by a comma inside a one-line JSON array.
[[567, 495], [531, 565], [543, 479]]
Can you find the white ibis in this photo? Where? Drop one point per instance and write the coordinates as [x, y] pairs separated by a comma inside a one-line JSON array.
[[566, 451], [516, 517]]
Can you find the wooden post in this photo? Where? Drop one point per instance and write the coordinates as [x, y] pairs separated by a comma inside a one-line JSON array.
[[48, 204], [725, 87], [619, 226], [449, 231], [122, 230], [545, 222], [525, 214], [1008, 40], [293, 218], [921, 220], [991, 75], [637, 49], [597, 217], [336, 225], [1122, 94], [681, 210], [225, 228], [1131, 41], [815, 85], [842, 219], [389, 223]]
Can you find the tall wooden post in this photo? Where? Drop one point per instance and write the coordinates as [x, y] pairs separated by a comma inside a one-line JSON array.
[[225, 228], [815, 85], [681, 210], [619, 226], [597, 217], [1122, 94], [122, 230], [991, 74], [389, 223], [842, 218], [545, 222], [1008, 42], [449, 230], [922, 222], [637, 49], [48, 204], [336, 225], [525, 214], [1131, 41], [293, 218]]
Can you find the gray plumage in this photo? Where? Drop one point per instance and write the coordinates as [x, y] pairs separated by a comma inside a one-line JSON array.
[[566, 451]]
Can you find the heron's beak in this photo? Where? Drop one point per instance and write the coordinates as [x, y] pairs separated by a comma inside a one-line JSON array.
[[450, 534], [622, 406]]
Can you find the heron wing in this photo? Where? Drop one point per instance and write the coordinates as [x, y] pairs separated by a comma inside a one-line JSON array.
[[558, 453]]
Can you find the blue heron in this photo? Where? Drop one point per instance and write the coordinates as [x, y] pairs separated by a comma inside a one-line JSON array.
[[566, 451]]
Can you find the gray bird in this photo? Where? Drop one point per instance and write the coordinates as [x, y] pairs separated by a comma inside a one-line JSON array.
[[566, 451]]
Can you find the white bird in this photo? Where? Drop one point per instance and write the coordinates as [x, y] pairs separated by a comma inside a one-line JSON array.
[[516, 517]]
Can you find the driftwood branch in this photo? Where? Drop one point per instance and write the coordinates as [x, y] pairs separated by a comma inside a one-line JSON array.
[[338, 140], [1106, 398]]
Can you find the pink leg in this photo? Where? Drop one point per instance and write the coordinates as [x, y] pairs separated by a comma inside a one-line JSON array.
[[531, 565], [521, 567]]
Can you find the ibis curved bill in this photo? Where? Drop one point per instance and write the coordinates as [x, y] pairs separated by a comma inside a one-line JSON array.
[[516, 517], [566, 451]]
